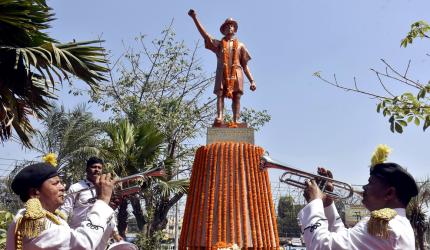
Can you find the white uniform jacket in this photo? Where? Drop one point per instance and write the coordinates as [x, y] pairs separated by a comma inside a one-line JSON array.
[[323, 229], [77, 206], [62, 237]]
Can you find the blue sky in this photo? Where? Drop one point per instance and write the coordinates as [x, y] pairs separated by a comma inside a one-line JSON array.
[[313, 124]]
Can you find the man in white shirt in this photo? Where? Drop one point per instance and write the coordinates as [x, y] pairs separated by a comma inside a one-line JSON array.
[[41, 226], [387, 194], [77, 205]]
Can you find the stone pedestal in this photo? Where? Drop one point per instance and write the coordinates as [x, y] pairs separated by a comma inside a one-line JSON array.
[[244, 135]]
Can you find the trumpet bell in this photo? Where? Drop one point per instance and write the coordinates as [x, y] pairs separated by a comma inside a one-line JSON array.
[[297, 178]]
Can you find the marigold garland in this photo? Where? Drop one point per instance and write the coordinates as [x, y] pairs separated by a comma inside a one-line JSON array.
[[229, 72], [244, 191], [224, 199], [212, 196], [257, 199], [265, 206], [195, 203], [229, 200], [187, 213], [220, 195], [205, 170], [251, 197], [231, 193], [239, 192], [272, 206]]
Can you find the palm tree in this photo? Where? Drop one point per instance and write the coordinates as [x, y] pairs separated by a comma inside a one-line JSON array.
[[416, 212], [131, 149], [29, 60], [72, 136]]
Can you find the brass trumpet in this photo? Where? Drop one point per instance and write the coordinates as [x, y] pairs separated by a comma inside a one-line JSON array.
[[128, 185], [296, 177]]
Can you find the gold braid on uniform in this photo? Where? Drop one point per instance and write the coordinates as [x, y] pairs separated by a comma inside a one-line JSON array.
[[378, 222], [33, 222]]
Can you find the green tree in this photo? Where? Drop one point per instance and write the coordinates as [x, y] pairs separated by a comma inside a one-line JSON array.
[[73, 136], [412, 106], [416, 212], [131, 149], [31, 60], [5, 219], [287, 217]]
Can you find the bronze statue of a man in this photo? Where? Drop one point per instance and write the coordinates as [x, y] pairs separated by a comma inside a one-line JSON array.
[[232, 57]]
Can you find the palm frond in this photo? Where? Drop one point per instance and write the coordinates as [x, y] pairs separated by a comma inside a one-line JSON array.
[[21, 23], [167, 188]]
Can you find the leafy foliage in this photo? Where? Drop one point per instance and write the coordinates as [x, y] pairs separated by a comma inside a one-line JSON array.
[[5, 219], [73, 136], [253, 118], [287, 217], [29, 60], [418, 29], [412, 106]]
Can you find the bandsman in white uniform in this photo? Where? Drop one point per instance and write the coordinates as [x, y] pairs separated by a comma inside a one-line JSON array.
[[390, 188], [40, 225], [76, 206]]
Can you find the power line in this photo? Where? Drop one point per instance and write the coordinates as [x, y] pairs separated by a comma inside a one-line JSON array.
[[10, 159]]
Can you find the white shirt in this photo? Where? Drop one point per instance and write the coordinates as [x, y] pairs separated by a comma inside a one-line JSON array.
[[77, 206], [323, 229], [61, 237]]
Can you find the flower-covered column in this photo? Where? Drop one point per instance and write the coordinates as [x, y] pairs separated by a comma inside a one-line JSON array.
[[229, 203]]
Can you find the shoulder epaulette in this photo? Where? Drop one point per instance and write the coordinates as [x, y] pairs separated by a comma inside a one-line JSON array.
[[32, 222], [378, 222]]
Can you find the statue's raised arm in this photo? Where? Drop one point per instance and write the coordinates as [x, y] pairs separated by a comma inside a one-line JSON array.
[[199, 26]]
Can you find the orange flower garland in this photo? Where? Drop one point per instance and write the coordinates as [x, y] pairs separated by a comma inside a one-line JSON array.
[[261, 198], [229, 72], [247, 189], [225, 191], [231, 193], [229, 201], [272, 206], [251, 197], [212, 178], [237, 196], [205, 194], [220, 197], [199, 180], [187, 214]]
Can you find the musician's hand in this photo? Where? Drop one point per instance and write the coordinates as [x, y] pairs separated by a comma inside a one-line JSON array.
[[329, 186], [117, 237], [104, 186], [192, 13], [253, 86], [312, 191]]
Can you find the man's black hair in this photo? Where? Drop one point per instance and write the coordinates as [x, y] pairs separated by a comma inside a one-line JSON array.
[[93, 160]]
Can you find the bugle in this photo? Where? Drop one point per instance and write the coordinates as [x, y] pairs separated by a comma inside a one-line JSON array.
[[130, 184], [296, 177]]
